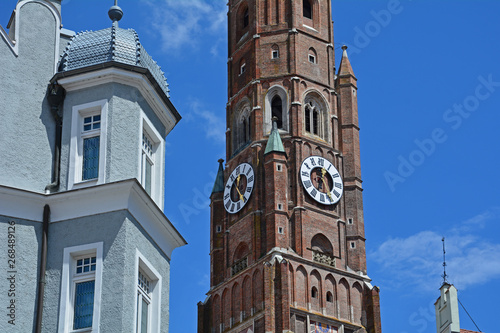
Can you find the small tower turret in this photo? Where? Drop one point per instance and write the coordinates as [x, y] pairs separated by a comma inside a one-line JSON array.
[[447, 318]]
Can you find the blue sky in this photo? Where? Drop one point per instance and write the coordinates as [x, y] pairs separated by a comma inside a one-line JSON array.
[[429, 107]]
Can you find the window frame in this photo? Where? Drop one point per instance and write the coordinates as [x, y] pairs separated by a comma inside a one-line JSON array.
[[78, 135], [245, 18], [242, 125], [310, 7], [70, 278], [317, 108], [154, 314], [156, 157], [272, 92]]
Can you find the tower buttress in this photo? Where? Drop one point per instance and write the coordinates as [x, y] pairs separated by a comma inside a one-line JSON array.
[[348, 105]]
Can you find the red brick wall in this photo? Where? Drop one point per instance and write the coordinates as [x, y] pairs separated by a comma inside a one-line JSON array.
[[275, 290]]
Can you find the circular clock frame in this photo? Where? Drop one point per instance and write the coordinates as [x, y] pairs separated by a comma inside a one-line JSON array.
[[239, 188], [321, 180]]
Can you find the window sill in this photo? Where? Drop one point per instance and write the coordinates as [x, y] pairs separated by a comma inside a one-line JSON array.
[[245, 35], [83, 330], [315, 137], [85, 183], [310, 28]]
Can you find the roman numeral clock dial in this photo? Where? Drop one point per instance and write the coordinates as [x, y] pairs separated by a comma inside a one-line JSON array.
[[238, 188], [321, 180]]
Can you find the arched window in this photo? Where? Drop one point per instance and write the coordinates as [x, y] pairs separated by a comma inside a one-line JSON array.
[[242, 20], [316, 116], [275, 52], [276, 105], [241, 133], [314, 292], [321, 244], [245, 18], [307, 9], [312, 56], [329, 297], [277, 111]]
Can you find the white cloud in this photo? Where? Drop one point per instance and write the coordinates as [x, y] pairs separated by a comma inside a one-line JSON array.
[[416, 261], [213, 126], [184, 23]]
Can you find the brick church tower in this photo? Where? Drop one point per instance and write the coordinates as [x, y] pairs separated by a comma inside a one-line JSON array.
[[287, 246]]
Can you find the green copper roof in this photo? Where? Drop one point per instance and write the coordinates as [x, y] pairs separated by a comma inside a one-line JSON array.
[[219, 179], [274, 144]]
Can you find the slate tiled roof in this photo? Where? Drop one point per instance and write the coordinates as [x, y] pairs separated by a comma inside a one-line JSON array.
[[91, 48]]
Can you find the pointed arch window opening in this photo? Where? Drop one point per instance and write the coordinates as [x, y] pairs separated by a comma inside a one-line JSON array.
[[243, 129], [275, 52], [277, 110], [245, 18], [245, 136], [314, 292], [276, 105], [307, 9], [313, 120]]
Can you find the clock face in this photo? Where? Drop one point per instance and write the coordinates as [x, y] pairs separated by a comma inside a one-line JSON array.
[[238, 188], [321, 180]]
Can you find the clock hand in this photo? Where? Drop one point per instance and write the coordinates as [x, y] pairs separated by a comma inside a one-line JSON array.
[[323, 171], [237, 188]]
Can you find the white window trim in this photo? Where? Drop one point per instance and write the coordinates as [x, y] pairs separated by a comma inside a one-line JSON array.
[[275, 52], [141, 263], [281, 92], [68, 285], [157, 177], [76, 143]]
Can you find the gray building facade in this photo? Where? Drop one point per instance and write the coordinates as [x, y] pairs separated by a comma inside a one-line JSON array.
[[85, 244]]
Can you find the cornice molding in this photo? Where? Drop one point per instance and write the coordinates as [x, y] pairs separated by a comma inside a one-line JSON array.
[[112, 74], [123, 195]]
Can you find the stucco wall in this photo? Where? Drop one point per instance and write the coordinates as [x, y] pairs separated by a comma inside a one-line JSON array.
[[124, 133], [27, 125], [121, 235], [20, 281]]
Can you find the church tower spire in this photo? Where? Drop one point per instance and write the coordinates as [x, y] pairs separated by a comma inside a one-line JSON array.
[[287, 231]]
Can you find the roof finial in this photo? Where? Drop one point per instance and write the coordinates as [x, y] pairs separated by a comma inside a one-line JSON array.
[[444, 276], [115, 12]]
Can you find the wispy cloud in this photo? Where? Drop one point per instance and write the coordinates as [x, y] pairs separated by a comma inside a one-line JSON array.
[[416, 260], [184, 23], [213, 125]]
